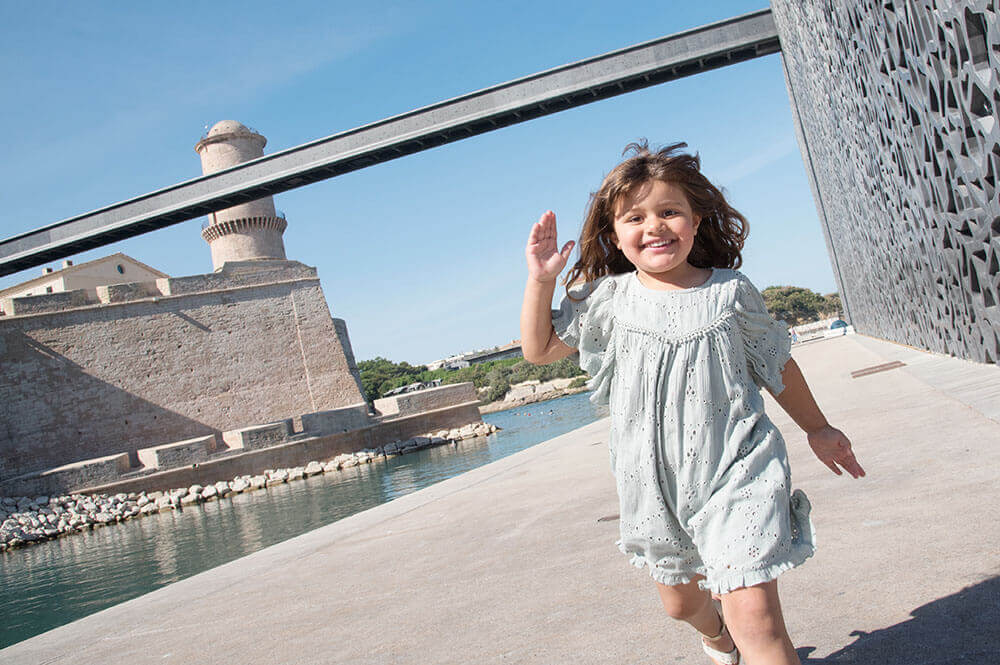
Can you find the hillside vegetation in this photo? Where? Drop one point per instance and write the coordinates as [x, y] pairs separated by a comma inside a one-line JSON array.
[[379, 375], [795, 305]]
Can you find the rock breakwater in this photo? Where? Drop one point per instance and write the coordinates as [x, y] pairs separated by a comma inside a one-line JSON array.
[[27, 520]]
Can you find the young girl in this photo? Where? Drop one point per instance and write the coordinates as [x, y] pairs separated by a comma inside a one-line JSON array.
[[679, 343]]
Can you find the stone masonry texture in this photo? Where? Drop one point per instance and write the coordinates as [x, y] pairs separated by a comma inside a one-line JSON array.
[[896, 107], [104, 379]]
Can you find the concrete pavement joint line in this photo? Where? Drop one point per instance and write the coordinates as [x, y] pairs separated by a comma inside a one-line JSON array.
[[875, 369]]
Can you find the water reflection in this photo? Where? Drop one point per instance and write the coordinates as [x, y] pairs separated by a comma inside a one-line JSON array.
[[56, 582]]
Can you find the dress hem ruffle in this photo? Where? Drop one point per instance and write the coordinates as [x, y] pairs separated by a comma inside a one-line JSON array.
[[731, 580]]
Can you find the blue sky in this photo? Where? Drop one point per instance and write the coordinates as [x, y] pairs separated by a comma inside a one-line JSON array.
[[422, 256]]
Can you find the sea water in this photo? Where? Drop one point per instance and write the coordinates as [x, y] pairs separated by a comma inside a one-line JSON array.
[[55, 582]]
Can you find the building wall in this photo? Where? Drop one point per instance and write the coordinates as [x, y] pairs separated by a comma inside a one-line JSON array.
[[106, 272], [896, 110], [84, 382], [52, 284], [86, 276]]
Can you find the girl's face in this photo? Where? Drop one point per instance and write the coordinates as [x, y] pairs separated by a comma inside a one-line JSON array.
[[654, 227]]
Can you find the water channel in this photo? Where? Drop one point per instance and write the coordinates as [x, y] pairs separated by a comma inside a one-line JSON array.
[[56, 582]]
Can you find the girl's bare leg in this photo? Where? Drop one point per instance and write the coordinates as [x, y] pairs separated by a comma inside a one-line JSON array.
[[686, 602], [753, 615]]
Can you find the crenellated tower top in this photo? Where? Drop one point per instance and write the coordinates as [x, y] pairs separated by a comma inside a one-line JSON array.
[[249, 231]]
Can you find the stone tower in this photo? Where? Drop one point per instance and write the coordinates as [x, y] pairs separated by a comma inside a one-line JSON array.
[[249, 231]]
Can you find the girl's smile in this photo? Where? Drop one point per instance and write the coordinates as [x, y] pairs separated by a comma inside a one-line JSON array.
[[654, 227]]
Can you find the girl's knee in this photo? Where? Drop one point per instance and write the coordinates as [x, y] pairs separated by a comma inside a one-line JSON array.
[[756, 628], [682, 601], [755, 618]]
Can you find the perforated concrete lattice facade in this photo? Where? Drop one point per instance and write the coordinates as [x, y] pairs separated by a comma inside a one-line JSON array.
[[896, 108]]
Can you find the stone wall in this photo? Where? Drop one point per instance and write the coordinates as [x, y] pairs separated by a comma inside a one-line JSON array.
[[98, 380], [255, 461], [425, 400]]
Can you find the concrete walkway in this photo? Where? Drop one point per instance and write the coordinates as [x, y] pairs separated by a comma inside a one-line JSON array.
[[509, 563]]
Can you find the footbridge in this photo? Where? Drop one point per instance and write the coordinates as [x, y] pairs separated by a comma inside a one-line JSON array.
[[600, 77]]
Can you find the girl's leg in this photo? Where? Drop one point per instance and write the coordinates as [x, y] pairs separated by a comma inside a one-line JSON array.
[[687, 602], [753, 615]]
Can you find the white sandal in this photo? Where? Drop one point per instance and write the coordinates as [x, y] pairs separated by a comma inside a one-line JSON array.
[[725, 657]]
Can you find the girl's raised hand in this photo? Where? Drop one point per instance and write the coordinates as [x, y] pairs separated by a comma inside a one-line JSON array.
[[545, 260], [833, 448]]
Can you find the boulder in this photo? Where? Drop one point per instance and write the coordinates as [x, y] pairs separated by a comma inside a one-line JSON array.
[[296, 473], [277, 477], [312, 469], [190, 499], [209, 493], [221, 488]]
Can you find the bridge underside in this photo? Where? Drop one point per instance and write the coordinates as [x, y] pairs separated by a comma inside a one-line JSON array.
[[650, 63]]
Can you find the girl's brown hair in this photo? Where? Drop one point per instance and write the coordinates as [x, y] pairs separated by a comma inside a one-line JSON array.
[[720, 235]]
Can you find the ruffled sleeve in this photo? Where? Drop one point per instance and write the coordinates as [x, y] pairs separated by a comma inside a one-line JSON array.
[[586, 322], [765, 340]]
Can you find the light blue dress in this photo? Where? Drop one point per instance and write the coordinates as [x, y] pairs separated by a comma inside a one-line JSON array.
[[702, 473]]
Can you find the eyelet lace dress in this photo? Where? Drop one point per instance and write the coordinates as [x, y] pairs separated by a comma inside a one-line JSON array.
[[702, 473]]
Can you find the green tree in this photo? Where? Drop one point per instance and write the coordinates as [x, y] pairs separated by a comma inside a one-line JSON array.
[[378, 376], [794, 304], [833, 306]]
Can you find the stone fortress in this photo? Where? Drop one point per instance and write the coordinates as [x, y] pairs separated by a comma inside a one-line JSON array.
[[166, 381]]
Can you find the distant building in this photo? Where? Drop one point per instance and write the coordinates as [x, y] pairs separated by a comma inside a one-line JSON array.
[[114, 269], [462, 360], [413, 387]]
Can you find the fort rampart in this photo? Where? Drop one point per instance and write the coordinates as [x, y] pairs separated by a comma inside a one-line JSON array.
[[157, 363]]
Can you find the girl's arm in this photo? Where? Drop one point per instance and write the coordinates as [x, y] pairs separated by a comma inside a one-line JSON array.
[[539, 341], [829, 444]]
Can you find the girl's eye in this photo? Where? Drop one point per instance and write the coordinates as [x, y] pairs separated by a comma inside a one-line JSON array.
[[635, 218], [670, 212]]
